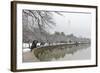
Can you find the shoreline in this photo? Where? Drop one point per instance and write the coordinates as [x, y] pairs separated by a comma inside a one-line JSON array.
[[29, 56]]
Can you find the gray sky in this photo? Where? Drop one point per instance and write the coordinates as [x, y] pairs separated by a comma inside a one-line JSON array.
[[77, 23]]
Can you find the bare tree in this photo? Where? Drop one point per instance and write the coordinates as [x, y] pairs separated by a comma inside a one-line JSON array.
[[40, 19]]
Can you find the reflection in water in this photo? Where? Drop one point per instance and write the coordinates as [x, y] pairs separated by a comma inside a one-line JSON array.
[[56, 52]]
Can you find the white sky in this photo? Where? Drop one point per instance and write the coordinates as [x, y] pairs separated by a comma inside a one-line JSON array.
[[77, 23]]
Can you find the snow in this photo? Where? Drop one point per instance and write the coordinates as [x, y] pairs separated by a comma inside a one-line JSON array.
[[38, 44], [26, 47], [46, 44], [26, 50]]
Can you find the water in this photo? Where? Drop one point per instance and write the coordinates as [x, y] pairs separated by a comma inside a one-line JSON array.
[[63, 53]]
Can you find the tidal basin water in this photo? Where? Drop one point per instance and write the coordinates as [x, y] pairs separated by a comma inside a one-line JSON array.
[[58, 53]]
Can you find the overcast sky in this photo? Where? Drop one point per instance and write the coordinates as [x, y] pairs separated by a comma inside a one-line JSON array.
[[77, 23]]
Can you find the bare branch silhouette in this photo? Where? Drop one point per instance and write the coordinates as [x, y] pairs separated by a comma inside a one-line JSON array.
[[41, 19]]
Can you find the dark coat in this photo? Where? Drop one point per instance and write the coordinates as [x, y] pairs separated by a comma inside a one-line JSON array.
[[34, 43]]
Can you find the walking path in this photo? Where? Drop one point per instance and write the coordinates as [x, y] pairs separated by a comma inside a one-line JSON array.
[[29, 57]]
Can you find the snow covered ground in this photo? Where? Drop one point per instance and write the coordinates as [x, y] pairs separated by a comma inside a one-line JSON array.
[[26, 50], [26, 47]]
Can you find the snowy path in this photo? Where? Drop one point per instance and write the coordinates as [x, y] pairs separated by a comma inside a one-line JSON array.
[[29, 56]]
